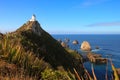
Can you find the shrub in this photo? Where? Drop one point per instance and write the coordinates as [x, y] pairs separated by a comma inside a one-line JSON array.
[[50, 74], [13, 53]]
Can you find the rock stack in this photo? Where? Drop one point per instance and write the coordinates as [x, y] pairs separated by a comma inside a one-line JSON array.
[[75, 42], [64, 44], [85, 46]]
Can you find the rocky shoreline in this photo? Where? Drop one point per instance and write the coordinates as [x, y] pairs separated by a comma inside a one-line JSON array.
[[96, 58], [88, 56]]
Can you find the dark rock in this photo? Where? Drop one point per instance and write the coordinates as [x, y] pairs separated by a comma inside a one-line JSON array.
[[59, 40], [75, 42], [96, 58], [67, 40], [96, 47], [64, 44]]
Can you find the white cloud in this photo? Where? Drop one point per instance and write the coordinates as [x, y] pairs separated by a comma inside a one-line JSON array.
[[117, 23], [87, 3]]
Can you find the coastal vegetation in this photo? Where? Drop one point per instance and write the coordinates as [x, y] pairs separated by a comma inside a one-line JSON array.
[[26, 55], [18, 65], [30, 53]]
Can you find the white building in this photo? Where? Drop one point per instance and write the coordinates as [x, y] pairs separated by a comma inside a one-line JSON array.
[[33, 18]]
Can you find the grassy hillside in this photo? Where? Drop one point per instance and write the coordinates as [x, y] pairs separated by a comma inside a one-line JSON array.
[[36, 56]]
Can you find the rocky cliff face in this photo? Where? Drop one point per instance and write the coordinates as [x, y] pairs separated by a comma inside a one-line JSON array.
[[85, 46], [34, 26]]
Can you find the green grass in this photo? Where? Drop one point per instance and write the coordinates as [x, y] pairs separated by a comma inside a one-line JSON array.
[[29, 65], [12, 53], [75, 55], [50, 74]]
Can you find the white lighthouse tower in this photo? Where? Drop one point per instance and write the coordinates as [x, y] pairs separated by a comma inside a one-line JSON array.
[[33, 18]]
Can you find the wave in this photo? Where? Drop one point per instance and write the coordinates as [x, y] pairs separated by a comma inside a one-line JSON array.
[[95, 50]]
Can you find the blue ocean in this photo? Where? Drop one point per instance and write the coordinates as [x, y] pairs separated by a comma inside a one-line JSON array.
[[108, 45]]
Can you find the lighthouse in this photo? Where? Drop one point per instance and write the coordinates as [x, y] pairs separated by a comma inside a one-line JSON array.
[[33, 18]]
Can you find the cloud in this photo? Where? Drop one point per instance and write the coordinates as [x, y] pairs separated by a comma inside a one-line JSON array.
[[87, 3], [117, 23]]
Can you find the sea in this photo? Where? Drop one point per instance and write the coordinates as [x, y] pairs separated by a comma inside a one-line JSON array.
[[109, 47]]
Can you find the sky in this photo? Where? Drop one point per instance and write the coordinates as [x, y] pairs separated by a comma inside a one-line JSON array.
[[63, 16]]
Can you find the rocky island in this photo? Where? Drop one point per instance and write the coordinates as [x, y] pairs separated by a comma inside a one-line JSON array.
[[75, 42], [96, 58], [85, 46]]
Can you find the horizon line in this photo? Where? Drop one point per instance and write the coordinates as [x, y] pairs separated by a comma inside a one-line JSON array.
[[84, 34]]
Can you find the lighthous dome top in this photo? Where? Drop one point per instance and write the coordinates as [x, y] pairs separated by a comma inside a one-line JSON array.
[[33, 18]]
